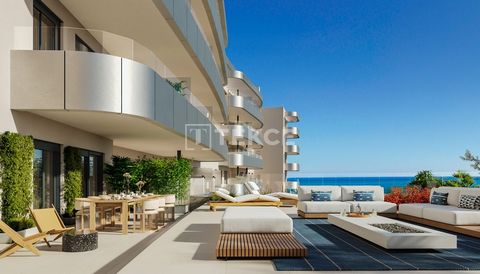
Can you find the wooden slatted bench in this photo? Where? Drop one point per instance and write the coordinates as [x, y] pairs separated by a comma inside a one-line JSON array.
[[259, 245]]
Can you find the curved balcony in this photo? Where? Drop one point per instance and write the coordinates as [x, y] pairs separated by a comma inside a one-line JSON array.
[[292, 133], [245, 159], [169, 29], [245, 109], [113, 97], [293, 167], [243, 135], [291, 116], [237, 80], [292, 149]]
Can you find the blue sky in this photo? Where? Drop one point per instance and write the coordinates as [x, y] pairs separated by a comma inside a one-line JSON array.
[[382, 87]]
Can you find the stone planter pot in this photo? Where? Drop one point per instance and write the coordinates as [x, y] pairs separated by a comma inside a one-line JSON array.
[[181, 209], [4, 239], [68, 221]]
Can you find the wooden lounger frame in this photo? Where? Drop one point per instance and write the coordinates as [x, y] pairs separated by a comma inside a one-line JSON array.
[[214, 204], [290, 202], [259, 245], [325, 215]]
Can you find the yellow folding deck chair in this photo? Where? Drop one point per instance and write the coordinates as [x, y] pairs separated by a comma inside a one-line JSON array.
[[48, 221], [19, 241]]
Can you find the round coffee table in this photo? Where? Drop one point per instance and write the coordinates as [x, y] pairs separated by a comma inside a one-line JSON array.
[[79, 241]]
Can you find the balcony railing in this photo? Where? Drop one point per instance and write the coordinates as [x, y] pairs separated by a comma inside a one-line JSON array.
[[292, 133], [246, 159], [100, 41], [293, 167], [291, 116], [247, 105], [292, 149]]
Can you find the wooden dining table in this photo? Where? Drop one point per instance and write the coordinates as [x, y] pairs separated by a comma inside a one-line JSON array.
[[123, 204]]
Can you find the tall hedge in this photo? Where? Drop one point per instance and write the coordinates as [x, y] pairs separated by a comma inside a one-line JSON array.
[[16, 167], [72, 188]]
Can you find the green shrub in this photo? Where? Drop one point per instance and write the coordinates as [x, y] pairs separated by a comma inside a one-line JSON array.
[[16, 164], [73, 178], [72, 190], [23, 223], [114, 173], [424, 179], [164, 176]]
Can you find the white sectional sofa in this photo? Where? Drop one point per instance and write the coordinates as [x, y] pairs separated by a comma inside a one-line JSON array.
[[341, 199], [450, 214]]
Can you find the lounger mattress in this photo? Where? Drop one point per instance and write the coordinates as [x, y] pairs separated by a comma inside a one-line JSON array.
[[250, 219]]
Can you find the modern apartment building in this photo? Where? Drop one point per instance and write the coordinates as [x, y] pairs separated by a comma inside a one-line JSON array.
[[131, 78], [278, 134]]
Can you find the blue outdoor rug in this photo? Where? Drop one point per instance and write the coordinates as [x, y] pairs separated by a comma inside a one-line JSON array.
[[331, 248]]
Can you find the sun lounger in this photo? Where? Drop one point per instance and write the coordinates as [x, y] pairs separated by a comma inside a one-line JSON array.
[[19, 241], [49, 222], [285, 198], [245, 200]]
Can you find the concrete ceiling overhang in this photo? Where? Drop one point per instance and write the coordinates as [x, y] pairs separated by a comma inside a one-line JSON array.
[[141, 21], [132, 132]]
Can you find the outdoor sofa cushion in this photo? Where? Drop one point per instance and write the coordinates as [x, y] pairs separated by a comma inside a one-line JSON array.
[[305, 192], [452, 215], [248, 219], [347, 192], [323, 207], [415, 210], [378, 206]]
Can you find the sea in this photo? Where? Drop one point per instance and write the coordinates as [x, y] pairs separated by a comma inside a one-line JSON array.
[[386, 182]]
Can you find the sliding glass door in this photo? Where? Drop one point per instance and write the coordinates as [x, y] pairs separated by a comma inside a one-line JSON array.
[[92, 170], [46, 175]]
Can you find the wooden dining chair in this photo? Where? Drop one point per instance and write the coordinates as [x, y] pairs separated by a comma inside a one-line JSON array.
[[19, 241]]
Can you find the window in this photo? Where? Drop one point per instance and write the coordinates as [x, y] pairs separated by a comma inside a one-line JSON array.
[[46, 28], [80, 45], [46, 175]]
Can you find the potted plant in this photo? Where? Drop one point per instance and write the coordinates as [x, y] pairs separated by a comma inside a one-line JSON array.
[[72, 190], [73, 183]]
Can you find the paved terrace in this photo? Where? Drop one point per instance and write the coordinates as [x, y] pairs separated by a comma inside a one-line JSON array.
[[186, 247]]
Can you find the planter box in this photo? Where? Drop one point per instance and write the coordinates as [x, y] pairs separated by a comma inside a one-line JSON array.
[[182, 209], [4, 239]]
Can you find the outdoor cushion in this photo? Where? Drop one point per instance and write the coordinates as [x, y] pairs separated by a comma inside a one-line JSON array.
[[378, 206], [453, 194], [268, 198], [320, 196], [247, 198], [248, 219], [323, 207], [452, 215], [284, 195], [362, 195], [252, 187], [347, 192], [223, 190], [414, 209], [305, 192], [225, 196], [439, 198], [467, 201]]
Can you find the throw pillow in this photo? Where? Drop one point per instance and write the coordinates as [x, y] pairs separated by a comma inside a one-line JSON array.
[[318, 196], [363, 195], [467, 201], [439, 198]]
